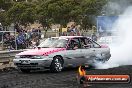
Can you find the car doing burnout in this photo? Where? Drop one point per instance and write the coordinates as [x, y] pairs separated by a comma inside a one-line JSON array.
[[55, 53]]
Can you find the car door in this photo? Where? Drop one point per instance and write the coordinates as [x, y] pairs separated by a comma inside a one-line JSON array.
[[100, 52], [73, 56], [97, 49], [93, 51], [87, 51]]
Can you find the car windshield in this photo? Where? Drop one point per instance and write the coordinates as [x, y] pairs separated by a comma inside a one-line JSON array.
[[54, 43]]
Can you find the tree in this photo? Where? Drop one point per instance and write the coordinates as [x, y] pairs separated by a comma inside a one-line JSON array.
[[22, 13], [3, 19], [91, 9], [63, 11], [58, 11], [49, 12], [4, 6]]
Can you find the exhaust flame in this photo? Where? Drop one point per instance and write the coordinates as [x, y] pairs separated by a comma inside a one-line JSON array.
[[81, 71], [121, 51]]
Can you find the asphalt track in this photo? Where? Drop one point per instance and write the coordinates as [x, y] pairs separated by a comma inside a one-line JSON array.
[[65, 79]]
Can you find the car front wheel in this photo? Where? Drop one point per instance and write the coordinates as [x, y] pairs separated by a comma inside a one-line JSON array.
[[56, 65]]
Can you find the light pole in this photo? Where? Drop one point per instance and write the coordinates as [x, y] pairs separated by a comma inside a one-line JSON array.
[[2, 10]]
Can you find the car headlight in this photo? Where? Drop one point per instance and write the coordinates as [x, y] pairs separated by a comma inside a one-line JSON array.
[[30, 56], [16, 57], [37, 57]]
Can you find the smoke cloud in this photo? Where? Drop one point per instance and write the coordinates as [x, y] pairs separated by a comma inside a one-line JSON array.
[[122, 51], [114, 7]]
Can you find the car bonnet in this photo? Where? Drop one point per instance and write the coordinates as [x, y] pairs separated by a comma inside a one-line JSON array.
[[42, 51]]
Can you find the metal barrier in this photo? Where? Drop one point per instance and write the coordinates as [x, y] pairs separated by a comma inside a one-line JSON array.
[[6, 58]]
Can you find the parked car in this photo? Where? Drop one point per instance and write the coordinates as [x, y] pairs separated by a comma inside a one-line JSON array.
[[55, 53]]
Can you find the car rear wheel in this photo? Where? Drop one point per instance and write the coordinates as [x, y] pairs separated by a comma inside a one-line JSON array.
[[99, 59], [25, 70], [56, 65]]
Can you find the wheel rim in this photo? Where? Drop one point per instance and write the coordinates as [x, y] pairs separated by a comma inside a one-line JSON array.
[[99, 61], [58, 65]]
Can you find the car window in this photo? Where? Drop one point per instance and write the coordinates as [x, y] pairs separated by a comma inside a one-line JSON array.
[[83, 42], [86, 43], [47, 42], [77, 41], [60, 43], [95, 45], [54, 43], [74, 43]]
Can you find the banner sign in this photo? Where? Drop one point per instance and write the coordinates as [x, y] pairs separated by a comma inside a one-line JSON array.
[[105, 23]]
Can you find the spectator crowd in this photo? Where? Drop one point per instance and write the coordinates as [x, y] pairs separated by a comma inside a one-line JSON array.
[[72, 31], [22, 39], [29, 38]]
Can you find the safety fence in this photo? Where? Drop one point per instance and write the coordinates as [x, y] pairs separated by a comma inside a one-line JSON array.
[[6, 44], [2, 38], [6, 58], [8, 39]]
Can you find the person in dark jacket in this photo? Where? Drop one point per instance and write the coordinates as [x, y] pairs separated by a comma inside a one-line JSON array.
[[21, 41]]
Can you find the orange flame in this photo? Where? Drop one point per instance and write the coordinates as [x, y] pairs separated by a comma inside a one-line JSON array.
[[81, 71]]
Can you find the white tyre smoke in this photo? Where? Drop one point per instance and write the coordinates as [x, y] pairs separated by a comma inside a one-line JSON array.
[[122, 51]]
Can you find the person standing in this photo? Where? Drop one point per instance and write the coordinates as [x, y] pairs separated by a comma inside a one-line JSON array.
[[21, 41], [94, 37], [74, 30]]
